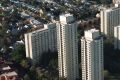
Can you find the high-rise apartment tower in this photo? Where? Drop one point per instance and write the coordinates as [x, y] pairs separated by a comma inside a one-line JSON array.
[[41, 41], [92, 55], [67, 47], [117, 37], [109, 19]]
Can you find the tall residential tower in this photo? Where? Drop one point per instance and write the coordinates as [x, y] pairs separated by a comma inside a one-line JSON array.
[[117, 37], [67, 47], [41, 41], [92, 55], [109, 19]]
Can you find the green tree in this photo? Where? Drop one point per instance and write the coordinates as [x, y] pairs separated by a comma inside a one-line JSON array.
[[53, 63], [106, 74], [62, 78], [32, 72], [18, 54], [26, 77], [32, 69], [25, 63], [63, 8]]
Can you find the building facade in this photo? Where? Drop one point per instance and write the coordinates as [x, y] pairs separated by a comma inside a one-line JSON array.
[[116, 1], [109, 19], [92, 55], [117, 37], [67, 47], [41, 41]]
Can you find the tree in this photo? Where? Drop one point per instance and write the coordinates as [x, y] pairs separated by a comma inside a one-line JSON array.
[[33, 72], [53, 63], [63, 8], [39, 73], [106, 74], [1, 54], [18, 54], [77, 2], [62, 78], [25, 63], [26, 77], [32, 69]]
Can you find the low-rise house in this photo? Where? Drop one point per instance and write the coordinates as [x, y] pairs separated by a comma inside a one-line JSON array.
[[6, 72]]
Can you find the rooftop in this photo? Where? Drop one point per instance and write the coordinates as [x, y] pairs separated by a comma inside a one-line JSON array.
[[13, 73], [118, 26], [92, 30], [6, 68], [66, 18], [43, 27], [110, 8], [67, 15], [92, 34]]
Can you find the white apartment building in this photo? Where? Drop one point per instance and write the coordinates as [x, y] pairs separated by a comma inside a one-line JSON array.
[[109, 19], [67, 47], [92, 55], [117, 37], [41, 41]]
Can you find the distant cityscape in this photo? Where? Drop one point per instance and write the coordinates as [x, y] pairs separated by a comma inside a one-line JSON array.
[[59, 39]]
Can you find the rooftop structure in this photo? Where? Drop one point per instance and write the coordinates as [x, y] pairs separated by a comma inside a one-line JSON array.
[[67, 18], [92, 34]]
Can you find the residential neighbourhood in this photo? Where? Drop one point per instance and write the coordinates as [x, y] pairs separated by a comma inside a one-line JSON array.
[[59, 40]]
